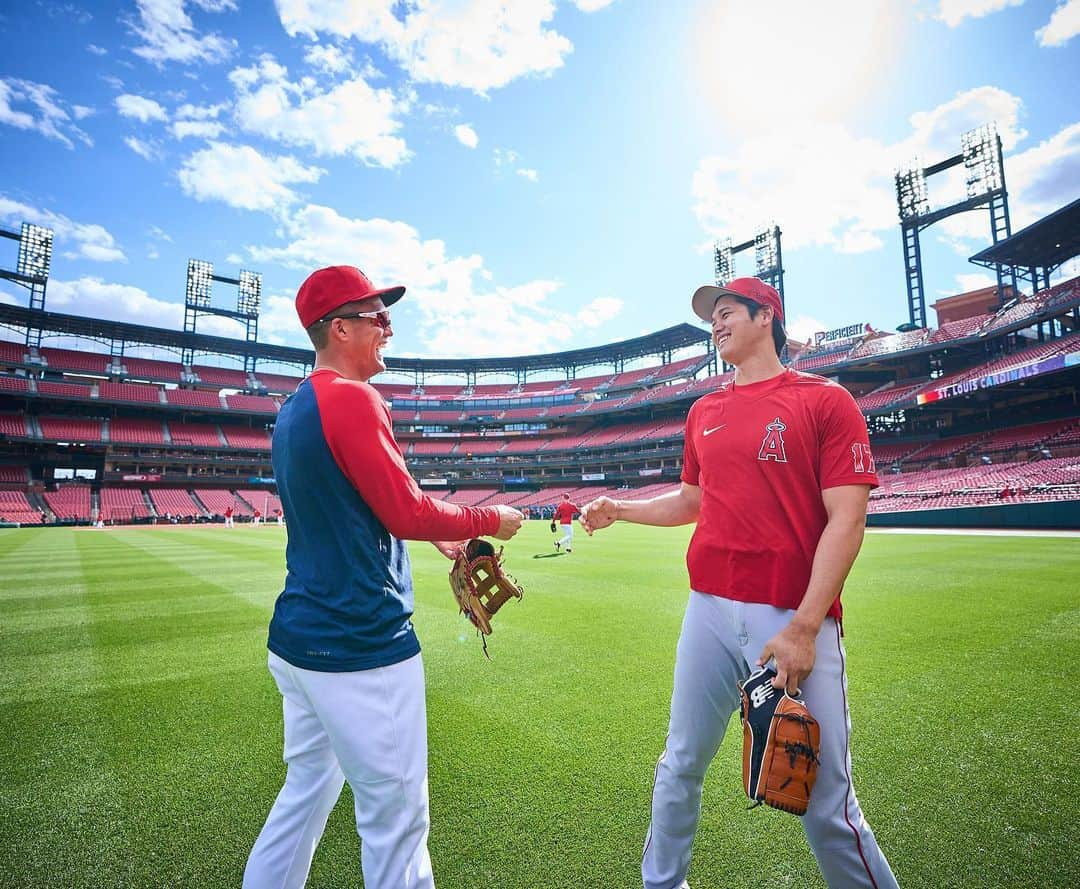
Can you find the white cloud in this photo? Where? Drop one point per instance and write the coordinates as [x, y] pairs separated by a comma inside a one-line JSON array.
[[241, 177], [592, 5], [466, 135], [848, 203], [91, 241], [953, 12], [147, 150], [449, 296], [971, 281], [599, 311], [96, 50], [329, 58], [46, 116], [477, 44], [803, 327], [168, 34], [528, 173], [140, 108], [350, 118], [200, 112], [1045, 177], [96, 298], [203, 129], [82, 111], [1064, 24]]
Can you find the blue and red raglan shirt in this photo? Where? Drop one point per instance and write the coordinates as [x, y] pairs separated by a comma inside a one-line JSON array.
[[349, 505]]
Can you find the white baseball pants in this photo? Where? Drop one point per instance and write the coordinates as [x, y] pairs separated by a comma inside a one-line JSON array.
[[368, 728], [719, 642], [567, 535]]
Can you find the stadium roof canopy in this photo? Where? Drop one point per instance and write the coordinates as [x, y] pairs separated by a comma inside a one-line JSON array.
[[660, 342], [1046, 243]]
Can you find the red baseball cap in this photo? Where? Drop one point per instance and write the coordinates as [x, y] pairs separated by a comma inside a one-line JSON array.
[[330, 288], [704, 299]]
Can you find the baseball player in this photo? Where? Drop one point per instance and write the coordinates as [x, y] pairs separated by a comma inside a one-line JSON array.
[[776, 473], [343, 651], [564, 515], [228, 517], [257, 517]]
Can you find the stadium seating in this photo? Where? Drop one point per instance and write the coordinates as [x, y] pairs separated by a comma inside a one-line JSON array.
[[69, 429], [174, 501], [217, 501], [478, 447], [242, 437], [152, 369], [64, 390], [889, 395], [68, 359], [260, 404], [265, 501], [147, 432], [196, 434], [14, 384], [888, 345], [137, 392], [193, 399], [278, 382], [70, 502], [14, 475], [14, 426], [226, 377], [960, 329], [12, 353], [122, 504], [14, 507]]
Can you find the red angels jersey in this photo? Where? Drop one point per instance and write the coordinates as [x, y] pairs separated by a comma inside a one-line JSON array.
[[762, 454], [564, 512]]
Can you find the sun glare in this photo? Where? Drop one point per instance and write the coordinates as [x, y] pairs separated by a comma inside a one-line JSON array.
[[795, 61]]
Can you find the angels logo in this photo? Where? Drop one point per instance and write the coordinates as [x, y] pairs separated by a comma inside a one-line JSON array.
[[772, 446]]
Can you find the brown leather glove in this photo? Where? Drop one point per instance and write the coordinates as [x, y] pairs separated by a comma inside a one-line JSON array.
[[781, 745], [480, 585]]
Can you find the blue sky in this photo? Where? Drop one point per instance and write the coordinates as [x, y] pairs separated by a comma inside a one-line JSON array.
[[540, 175]]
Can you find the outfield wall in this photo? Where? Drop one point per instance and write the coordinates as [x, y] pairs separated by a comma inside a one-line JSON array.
[[1063, 514]]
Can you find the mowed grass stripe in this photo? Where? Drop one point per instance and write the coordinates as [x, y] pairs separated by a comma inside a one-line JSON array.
[[958, 650]]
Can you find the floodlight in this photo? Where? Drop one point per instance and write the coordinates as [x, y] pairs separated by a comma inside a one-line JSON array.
[[35, 251], [249, 294], [911, 193], [200, 278], [982, 160], [724, 261], [765, 253]]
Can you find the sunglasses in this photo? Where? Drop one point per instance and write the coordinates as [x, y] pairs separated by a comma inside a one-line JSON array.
[[381, 318]]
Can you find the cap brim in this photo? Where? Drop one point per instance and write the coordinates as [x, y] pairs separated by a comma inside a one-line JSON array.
[[704, 300], [389, 295]]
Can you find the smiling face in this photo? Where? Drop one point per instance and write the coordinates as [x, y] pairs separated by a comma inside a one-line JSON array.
[[738, 336], [355, 345]]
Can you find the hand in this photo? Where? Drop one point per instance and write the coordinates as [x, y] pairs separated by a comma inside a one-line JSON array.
[[449, 548], [509, 522], [793, 650], [599, 514]]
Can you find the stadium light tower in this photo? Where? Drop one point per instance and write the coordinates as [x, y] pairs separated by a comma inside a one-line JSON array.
[[984, 179], [197, 302], [768, 262], [31, 269]]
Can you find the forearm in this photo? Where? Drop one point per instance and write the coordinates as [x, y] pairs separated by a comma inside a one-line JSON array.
[[836, 552], [665, 511]]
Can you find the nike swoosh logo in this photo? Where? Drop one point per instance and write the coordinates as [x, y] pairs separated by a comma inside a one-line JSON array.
[[711, 431]]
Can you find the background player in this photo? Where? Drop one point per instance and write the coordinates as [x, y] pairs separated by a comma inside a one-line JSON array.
[[343, 651], [776, 473], [564, 515]]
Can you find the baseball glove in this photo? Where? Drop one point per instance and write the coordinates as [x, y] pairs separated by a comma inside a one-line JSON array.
[[781, 745], [553, 526], [480, 585]]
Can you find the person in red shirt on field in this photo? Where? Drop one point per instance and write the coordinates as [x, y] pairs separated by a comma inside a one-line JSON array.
[[777, 471], [564, 515], [228, 517]]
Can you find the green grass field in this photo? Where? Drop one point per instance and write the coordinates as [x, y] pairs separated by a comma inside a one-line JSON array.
[[141, 729]]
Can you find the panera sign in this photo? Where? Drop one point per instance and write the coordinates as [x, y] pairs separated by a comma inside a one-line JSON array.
[[839, 334]]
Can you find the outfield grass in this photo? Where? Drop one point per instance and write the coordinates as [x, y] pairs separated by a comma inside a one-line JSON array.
[[141, 730]]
